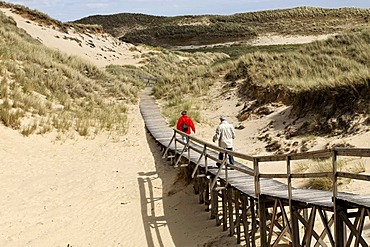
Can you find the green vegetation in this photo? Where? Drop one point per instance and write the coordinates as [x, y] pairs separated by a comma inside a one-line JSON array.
[[338, 61], [117, 24], [237, 50], [321, 166], [212, 29], [62, 92], [43, 89], [183, 79], [331, 75], [179, 35]]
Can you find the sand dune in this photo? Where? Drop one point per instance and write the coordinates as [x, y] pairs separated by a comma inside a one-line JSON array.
[[104, 192], [99, 49]]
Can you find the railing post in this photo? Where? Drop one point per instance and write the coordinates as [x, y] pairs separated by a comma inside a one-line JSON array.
[[218, 173], [169, 144], [205, 159], [261, 204], [334, 165], [186, 147], [197, 164], [189, 149], [175, 151], [293, 227], [338, 221], [257, 189]]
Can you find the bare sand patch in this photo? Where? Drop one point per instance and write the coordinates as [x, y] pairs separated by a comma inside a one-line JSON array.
[[115, 192]]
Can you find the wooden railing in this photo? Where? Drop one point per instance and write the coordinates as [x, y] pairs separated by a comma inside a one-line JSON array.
[[339, 219], [149, 81], [255, 207], [356, 152], [205, 149]]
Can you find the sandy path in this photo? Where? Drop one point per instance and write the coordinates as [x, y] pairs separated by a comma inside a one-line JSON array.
[[97, 193], [80, 193]]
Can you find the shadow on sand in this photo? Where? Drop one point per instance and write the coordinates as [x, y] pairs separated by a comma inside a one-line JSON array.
[[186, 220]]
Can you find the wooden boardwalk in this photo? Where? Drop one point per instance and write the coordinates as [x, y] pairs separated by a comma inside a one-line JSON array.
[[256, 207]]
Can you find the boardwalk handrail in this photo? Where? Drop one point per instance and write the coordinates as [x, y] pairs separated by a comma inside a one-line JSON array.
[[150, 81], [358, 152], [214, 146], [257, 159], [339, 218], [210, 147], [259, 201]]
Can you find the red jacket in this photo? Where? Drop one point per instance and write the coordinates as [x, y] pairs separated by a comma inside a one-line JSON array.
[[185, 119]]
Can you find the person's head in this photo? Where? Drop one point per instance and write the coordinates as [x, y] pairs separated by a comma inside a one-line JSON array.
[[183, 113], [222, 118]]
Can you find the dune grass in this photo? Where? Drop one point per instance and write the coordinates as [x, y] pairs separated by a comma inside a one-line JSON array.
[[332, 74], [338, 61], [215, 29], [63, 92], [321, 166], [43, 89], [44, 19], [183, 78]]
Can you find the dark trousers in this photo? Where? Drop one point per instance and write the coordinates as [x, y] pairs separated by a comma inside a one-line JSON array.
[[231, 158]]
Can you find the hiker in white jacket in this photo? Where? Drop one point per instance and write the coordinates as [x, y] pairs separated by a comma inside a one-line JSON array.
[[225, 134]]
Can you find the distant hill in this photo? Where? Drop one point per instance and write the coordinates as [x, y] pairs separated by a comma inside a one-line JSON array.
[[213, 29], [331, 74]]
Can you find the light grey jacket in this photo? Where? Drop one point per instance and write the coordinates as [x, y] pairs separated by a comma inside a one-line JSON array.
[[225, 134]]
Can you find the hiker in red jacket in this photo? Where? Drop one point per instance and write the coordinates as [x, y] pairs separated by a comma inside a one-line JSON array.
[[185, 124]]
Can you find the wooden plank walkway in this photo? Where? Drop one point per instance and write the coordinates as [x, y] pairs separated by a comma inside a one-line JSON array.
[[243, 180], [161, 132]]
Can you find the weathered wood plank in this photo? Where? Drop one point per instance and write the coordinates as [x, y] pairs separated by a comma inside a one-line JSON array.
[[245, 179]]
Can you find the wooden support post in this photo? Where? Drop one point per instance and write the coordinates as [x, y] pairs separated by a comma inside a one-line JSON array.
[[224, 206], [260, 202], [263, 221], [338, 222], [214, 202], [201, 190], [207, 194], [295, 225], [237, 215], [197, 182], [217, 215], [244, 219], [231, 210], [254, 221]]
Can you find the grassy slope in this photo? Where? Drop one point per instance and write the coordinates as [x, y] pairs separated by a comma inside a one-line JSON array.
[[44, 19], [325, 72], [333, 75], [211, 29], [42, 89]]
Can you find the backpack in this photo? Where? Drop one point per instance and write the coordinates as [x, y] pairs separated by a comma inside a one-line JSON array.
[[185, 127]]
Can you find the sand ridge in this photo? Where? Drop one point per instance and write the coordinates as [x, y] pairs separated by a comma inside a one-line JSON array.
[[105, 192]]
